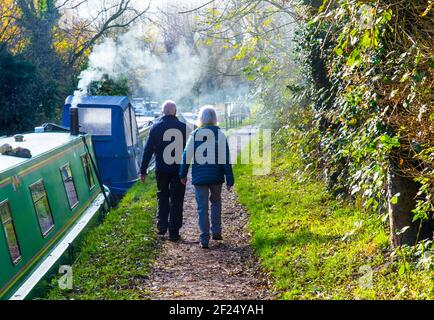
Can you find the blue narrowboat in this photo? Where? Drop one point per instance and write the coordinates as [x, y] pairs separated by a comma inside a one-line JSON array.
[[118, 144]]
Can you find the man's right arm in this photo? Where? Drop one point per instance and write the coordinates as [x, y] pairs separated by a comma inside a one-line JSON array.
[[148, 152]]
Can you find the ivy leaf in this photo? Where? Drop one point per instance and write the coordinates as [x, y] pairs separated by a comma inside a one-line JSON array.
[[354, 59], [355, 190], [366, 40], [390, 142], [418, 77], [405, 77], [387, 15], [339, 51], [428, 9], [395, 199], [402, 231], [323, 6], [394, 92]]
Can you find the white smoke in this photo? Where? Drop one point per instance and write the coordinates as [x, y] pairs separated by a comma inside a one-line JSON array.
[[165, 76]]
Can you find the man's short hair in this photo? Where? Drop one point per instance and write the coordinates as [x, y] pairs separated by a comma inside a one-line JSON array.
[[169, 108]]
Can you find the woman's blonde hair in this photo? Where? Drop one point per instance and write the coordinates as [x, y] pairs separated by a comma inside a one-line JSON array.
[[207, 116]]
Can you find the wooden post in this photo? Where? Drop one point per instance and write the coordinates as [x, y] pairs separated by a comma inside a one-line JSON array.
[[226, 115]]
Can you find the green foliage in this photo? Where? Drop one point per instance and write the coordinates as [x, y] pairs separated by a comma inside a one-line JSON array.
[[354, 138], [36, 23], [47, 9], [362, 81], [412, 260], [316, 247], [108, 86], [257, 38], [116, 256], [19, 96]]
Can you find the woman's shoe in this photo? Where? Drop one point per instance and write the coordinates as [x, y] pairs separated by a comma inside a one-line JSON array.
[[217, 236], [204, 245]]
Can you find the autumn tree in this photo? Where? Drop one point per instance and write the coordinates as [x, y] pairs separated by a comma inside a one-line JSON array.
[[104, 19], [53, 37], [9, 30]]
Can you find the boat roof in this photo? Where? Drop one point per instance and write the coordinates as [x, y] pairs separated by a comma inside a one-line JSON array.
[[102, 101], [37, 143]]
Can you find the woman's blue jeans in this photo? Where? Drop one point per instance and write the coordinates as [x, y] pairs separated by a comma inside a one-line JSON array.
[[205, 195]]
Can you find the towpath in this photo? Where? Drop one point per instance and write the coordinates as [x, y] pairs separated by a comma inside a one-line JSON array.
[[228, 270]]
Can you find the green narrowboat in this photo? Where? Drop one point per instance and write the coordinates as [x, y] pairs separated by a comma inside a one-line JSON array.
[[46, 201]]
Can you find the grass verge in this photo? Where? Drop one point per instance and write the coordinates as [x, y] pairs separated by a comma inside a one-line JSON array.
[[116, 256], [316, 247]]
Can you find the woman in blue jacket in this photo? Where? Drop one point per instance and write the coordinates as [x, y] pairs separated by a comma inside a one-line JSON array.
[[207, 150]]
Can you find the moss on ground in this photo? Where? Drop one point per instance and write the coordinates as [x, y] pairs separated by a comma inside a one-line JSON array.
[[316, 247]]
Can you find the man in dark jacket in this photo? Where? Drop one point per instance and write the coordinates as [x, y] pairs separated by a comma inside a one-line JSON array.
[[166, 141]]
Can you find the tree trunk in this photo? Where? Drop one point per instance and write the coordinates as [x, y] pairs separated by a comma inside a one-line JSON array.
[[400, 214]]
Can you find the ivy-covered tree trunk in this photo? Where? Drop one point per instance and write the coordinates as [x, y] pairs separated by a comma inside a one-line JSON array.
[[400, 212]]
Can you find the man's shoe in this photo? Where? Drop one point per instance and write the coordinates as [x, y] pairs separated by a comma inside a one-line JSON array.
[[217, 236], [174, 238], [204, 245], [161, 233]]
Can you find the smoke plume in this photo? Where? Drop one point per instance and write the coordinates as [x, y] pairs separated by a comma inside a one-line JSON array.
[[162, 76]]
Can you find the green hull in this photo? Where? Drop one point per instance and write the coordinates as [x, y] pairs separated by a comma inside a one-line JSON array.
[[35, 245]]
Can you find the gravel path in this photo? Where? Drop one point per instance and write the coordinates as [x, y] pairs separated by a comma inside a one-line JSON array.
[[228, 270]]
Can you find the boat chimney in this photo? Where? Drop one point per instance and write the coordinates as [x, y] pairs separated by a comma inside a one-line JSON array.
[[19, 138], [74, 123]]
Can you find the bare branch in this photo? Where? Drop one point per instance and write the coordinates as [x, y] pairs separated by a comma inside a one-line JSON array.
[[64, 3], [198, 8], [121, 9]]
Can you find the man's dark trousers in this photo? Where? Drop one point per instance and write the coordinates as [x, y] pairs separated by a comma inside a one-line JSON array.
[[170, 189], [170, 196]]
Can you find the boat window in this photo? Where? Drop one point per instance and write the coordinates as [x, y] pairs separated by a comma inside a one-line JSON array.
[[10, 233], [68, 182], [130, 126], [85, 160], [96, 121], [42, 207]]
